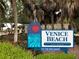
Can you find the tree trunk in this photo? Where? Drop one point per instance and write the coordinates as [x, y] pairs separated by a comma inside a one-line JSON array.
[[52, 20], [62, 18], [15, 20]]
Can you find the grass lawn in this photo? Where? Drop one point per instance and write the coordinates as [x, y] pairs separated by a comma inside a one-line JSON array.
[[9, 51], [56, 56]]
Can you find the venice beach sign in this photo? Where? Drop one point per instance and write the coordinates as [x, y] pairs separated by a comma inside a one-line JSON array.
[[49, 40]]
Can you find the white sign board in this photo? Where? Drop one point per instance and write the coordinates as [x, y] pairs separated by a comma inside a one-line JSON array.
[[57, 38]]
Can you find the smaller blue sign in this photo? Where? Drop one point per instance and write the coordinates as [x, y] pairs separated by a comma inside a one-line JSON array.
[[34, 35]]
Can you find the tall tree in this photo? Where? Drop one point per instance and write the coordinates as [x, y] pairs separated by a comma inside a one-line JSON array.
[[15, 20]]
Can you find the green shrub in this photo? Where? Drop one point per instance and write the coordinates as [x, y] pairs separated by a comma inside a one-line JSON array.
[[8, 51], [55, 56]]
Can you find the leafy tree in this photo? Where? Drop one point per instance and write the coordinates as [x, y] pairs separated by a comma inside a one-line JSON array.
[[2, 12]]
